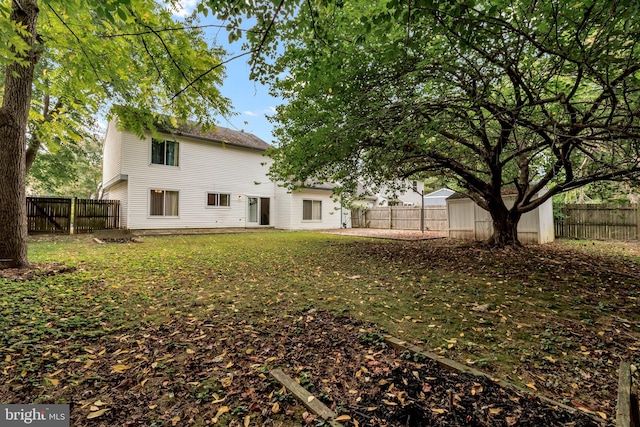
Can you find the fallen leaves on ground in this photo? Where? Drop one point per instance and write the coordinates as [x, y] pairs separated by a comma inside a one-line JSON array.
[[145, 375], [201, 320]]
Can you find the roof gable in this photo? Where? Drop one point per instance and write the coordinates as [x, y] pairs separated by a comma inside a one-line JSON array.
[[441, 193]]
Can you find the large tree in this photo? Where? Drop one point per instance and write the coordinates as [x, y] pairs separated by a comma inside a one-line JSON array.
[[69, 170], [533, 97], [65, 60]]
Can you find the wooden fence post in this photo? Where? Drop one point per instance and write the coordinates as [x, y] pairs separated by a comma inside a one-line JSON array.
[[635, 205], [72, 218], [627, 408]]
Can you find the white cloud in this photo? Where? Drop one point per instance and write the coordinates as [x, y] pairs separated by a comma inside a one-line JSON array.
[[183, 8], [270, 110]]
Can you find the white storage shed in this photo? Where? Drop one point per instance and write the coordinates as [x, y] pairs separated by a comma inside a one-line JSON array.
[[466, 220]]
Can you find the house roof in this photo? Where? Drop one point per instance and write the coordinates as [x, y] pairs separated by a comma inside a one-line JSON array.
[[220, 134], [456, 196], [363, 193], [319, 186], [192, 129], [441, 193]]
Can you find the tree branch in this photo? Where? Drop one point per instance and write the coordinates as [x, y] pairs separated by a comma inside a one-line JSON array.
[[160, 30], [84, 52], [194, 81]]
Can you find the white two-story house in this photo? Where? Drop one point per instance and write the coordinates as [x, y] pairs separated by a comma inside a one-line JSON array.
[[216, 179]]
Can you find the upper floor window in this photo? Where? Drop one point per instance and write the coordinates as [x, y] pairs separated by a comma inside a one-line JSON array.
[[164, 152]]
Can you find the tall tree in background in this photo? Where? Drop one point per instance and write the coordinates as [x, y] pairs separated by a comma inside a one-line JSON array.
[[537, 98], [78, 56], [71, 170]]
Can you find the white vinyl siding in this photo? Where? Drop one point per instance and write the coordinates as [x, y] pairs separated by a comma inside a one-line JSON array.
[[283, 208], [291, 207], [112, 154], [205, 167], [119, 192]]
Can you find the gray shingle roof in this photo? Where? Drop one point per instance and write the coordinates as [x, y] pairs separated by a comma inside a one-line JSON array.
[[163, 124], [222, 135]]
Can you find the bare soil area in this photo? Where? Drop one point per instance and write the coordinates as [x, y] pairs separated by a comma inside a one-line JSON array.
[[378, 233]]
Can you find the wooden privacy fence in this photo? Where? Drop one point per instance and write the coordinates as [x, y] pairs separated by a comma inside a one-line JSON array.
[[400, 218], [90, 215], [48, 215], [598, 221], [584, 221], [67, 215]]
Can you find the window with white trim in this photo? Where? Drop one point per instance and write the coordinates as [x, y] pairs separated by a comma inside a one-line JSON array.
[[311, 210], [163, 203], [218, 199], [164, 152]]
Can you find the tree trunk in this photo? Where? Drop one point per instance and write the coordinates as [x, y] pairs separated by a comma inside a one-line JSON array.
[[505, 226], [14, 114]]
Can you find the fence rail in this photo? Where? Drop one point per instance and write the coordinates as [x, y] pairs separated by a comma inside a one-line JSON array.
[[46, 215], [598, 221], [400, 218]]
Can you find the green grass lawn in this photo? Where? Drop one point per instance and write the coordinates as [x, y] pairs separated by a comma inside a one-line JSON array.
[[557, 319]]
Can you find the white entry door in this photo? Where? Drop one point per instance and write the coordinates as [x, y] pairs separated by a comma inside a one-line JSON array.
[[258, 211]]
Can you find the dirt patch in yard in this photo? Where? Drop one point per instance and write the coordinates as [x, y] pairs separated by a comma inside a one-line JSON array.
[[35, 270], [391, 234]]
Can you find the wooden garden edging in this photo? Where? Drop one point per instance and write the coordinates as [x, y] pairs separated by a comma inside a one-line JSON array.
[[627, 413], [459, 367], [309, 400]]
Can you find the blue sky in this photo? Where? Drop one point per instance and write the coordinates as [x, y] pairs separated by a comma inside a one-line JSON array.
[[251, 100]]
